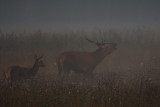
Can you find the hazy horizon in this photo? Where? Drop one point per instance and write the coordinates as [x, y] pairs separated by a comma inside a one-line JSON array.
[[51, 15]]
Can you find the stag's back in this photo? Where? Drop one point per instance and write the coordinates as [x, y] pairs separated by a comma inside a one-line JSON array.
[[76, 60]]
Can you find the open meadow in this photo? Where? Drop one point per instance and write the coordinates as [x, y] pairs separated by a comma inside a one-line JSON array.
[[129, 77]]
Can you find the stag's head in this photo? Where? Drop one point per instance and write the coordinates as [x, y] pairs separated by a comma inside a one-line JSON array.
[[103, 45], [39, 61]]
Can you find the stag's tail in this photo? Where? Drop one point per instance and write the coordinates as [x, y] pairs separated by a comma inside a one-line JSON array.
[[3, 80], [6, 76]]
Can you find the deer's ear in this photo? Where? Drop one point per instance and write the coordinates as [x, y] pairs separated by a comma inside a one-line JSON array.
[[35, 56], [40, 57]]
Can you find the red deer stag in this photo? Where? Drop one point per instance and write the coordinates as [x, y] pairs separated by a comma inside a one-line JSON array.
[[17, 73], [84, 62]]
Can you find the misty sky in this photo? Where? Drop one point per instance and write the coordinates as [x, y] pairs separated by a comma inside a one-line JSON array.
[[77, 14]]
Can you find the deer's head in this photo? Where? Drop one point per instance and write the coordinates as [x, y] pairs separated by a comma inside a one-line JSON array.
[[39, 62]]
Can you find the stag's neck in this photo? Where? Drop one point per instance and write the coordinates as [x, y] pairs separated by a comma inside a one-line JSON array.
[[100, 54]]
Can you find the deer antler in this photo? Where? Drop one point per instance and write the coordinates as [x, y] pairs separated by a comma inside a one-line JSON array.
[[92, 41]]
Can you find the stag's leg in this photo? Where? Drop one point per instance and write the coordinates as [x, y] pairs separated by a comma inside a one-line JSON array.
[[59, 69], [9, 82], [66, 72], [6, 81]]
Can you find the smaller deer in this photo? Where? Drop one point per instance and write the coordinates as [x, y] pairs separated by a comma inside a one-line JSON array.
[[17, 73]]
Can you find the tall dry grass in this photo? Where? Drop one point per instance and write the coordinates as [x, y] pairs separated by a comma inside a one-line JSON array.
[[129, 77]]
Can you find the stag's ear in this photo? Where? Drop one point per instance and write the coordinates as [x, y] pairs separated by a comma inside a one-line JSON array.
[[35, 56]]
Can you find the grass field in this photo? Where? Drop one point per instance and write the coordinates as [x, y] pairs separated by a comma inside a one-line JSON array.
[[129, 77]]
